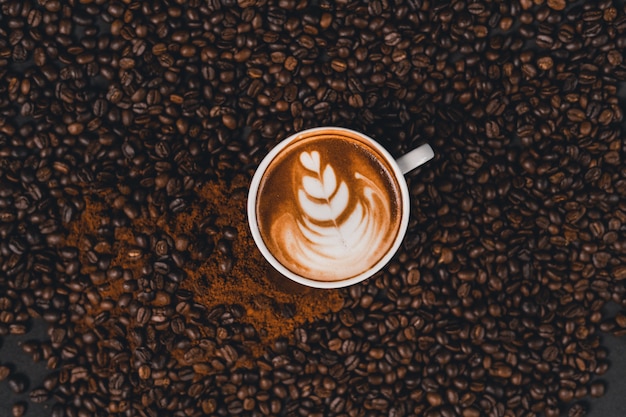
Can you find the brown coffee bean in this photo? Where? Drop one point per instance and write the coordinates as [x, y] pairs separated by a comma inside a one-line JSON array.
[[5, 372], [18, 383], [577, 410], [556, 4], [39, 395], [18, 409], [597, 389]]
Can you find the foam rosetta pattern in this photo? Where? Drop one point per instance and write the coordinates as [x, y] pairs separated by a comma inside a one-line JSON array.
[[339, 224]]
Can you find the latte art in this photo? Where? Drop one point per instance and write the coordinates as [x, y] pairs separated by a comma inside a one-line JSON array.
[[335, 229], [333, 211]]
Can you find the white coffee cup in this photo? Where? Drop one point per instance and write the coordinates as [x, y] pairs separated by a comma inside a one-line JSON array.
[[396, 167]]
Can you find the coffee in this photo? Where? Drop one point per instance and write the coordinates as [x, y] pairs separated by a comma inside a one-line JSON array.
[[329, 206]]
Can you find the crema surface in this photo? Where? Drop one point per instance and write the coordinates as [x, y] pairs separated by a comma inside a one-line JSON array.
[[328, 207]]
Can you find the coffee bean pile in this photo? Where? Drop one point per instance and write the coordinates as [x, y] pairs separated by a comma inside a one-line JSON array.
[[492, 307]]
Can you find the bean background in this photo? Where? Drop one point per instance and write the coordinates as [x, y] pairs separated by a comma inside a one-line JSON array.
[[507, 297]]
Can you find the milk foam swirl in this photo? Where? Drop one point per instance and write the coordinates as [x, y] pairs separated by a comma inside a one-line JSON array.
[[340, 222]]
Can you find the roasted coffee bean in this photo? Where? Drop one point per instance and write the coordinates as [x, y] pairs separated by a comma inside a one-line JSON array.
[[18, 383], [39, 395], [5, 372], [230, 233], [577, 410], [18, 409], [597, 389]]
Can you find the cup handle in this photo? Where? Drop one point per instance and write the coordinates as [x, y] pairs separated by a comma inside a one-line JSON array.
[[418, 156]]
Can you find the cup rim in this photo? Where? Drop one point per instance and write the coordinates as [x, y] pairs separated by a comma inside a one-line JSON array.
[[277, 265]]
